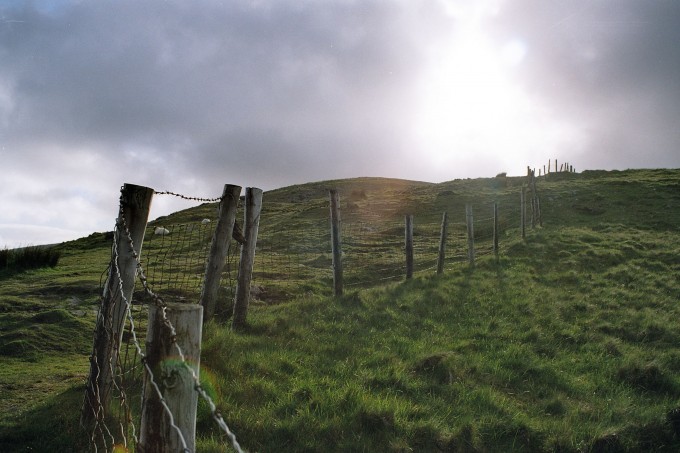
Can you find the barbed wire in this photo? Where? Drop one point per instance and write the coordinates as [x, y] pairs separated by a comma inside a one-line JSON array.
[[185, 197]]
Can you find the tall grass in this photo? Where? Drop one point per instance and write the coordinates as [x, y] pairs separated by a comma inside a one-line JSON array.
[[32, 257]]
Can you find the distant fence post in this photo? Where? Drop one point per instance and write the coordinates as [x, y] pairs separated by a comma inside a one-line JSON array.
[[336, 242], [251, 223], [534, 197], [495, 230], [135, 203], [522, 212], [219, 248], [470, 234], [173, 379], [408, 239], [442, 244]]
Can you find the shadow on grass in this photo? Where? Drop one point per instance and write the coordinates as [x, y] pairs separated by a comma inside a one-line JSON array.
[[51, 427]]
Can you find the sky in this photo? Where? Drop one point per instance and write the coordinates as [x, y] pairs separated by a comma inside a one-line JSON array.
[[188, 96]]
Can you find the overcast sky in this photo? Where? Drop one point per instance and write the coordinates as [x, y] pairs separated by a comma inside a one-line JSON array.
[[187, 96]]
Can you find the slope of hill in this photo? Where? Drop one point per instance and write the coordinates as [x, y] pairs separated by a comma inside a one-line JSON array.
[[567, 343]]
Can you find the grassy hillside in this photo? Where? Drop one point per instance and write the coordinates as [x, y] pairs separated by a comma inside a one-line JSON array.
[[567, 343]]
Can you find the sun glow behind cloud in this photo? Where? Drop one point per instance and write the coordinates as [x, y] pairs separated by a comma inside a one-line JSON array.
[[472, 109]]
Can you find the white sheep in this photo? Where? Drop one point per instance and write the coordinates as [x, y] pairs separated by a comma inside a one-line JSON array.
[[160, 231], [205, 221]]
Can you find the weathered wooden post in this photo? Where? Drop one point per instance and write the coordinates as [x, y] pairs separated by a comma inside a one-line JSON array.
[[522, 212], [135, 204], [442, 244], [495, 230], [470, 234], [173, 378], [408, 239], [251, 224], [336, 242], [219, 248]]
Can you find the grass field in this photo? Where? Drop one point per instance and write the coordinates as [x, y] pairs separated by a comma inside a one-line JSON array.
[[569, 342]]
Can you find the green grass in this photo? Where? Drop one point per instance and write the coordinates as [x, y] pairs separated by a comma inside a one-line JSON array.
[[567, 343]]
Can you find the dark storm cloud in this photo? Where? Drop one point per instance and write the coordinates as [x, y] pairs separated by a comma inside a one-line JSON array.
[[168, 72]]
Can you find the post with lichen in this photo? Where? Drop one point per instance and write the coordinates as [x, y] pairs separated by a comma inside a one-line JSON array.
[[219, 247], [133, 214], [408, 239], [251, 223], [336, 243], [170, 400]]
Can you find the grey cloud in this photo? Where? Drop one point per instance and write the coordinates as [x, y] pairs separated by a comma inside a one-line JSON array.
[[155, 69], [190, 95]]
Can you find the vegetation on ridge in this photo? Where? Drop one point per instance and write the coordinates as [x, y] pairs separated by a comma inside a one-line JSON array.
[[567, 343]]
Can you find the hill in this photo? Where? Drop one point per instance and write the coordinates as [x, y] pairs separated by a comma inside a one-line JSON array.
[[567, 342]]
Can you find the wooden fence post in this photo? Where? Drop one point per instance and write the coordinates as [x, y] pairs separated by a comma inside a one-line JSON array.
[[495, 230], [336, 242], [442, 244], [251, 224], [135, 204], [408, 239], [470, 234], [173, 378], [219, 247], [534, 197], [522, 212]]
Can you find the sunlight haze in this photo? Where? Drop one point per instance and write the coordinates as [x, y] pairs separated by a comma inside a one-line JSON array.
[[188, 97]]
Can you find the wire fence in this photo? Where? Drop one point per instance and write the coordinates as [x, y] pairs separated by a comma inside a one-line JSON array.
[[175, 259], [293, 257], [291, 261]]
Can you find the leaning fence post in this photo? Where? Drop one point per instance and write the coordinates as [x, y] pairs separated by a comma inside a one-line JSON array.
[[172, 377], [470, 234], [251, 223], [135, 203], [336, 243], [495, 230], [408, 239], [442, 244], [219, 247]]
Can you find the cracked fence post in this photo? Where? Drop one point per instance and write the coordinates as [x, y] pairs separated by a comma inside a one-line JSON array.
[[219, 247], [251, 224], [173, 378], [133, 214]]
